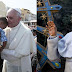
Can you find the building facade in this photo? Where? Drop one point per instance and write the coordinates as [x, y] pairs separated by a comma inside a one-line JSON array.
[[27, 15], [3, 10]]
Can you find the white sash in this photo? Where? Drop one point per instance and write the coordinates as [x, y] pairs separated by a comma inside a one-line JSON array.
[[17, 38]]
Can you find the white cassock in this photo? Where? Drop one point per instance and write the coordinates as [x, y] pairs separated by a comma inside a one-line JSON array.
[[16, 54], [64, 47]]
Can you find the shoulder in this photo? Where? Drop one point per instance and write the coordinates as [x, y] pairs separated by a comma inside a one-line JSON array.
[[68, 34], [25, 28], [6, 29], [67, 38], [1, 29]]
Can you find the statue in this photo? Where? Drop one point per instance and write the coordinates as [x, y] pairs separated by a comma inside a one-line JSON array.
[[45, 13]]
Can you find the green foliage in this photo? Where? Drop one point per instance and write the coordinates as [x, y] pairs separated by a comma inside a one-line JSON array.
[[66, 19], [64, 23]]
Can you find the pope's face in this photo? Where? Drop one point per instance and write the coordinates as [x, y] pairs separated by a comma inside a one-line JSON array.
[[12, 18]]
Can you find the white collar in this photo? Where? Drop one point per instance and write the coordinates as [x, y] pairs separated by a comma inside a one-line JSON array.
[[16, 27]]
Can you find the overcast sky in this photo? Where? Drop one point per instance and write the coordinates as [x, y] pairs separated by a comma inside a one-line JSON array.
[[26, 4]]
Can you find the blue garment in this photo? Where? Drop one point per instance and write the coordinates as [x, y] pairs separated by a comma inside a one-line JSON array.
[[3, 38]]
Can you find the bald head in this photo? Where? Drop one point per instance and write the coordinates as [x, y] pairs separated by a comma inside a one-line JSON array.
[[13, 17]]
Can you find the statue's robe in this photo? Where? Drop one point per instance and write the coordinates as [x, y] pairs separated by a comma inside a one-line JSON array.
[[16, 54], [62, 48]]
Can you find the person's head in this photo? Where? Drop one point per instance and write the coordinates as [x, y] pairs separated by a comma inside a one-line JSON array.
[[13, 17], [3, 22], [34, 32]]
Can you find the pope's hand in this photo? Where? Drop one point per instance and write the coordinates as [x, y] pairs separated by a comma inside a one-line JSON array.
[[52, 28]]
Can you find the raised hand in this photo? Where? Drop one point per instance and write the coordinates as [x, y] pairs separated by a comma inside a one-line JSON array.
[[52, 28]]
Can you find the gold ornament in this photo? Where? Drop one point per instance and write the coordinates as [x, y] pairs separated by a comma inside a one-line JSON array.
[[39, 3], [43, 16], [45, 31], [51, 7], [57, 64]]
